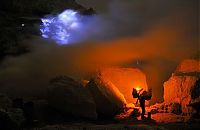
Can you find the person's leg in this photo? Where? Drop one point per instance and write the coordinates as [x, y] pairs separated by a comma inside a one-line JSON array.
[[142, 105], [143, 112]]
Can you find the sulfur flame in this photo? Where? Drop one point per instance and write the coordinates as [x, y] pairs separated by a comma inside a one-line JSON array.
[[60, 28], [138, 88]]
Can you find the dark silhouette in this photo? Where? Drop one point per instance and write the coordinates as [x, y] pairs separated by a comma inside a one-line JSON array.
[[145, 95], [142, 105]]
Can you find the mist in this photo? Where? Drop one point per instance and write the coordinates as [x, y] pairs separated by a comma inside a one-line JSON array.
[[156, 34]]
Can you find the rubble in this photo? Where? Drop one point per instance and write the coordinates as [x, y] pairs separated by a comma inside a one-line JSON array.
[[175, 108], [156, 108]]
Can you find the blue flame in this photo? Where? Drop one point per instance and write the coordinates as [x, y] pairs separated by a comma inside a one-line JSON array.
[[61, 27]]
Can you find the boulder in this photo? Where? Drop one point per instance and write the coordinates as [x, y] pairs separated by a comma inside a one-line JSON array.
[[183, 86], [109, 100], [71, 98], [125, 79], [158, 108]]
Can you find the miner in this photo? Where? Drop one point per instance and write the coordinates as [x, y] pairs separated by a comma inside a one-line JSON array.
[[145, 95]]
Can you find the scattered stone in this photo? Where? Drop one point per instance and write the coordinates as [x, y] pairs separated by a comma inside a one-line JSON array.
[[154, 111], [175, 108], [135, 113], [158, 108]]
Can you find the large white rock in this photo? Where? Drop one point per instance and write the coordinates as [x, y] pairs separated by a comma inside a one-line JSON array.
[[109, 100], [125, 79], [71, 98]]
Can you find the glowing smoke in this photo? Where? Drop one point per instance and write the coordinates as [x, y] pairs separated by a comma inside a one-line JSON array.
[[61, 28], [156, 35]]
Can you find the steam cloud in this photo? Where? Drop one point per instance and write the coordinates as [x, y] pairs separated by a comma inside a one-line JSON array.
[[156, 34]]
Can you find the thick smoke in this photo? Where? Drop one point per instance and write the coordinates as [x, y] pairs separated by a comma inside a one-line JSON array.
[[152, 35]]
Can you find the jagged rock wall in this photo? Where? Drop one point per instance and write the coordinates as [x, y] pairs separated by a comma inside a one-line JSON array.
[[178, 89], [183, 85]]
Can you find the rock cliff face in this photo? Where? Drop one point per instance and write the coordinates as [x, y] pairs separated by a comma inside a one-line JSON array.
[[183, 87]]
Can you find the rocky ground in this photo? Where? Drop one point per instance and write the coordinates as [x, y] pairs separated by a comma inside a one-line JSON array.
[[159, 121], [121, 127]]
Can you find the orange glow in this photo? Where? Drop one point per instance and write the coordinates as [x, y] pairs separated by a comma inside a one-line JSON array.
[[138, 88], [125, 79]]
